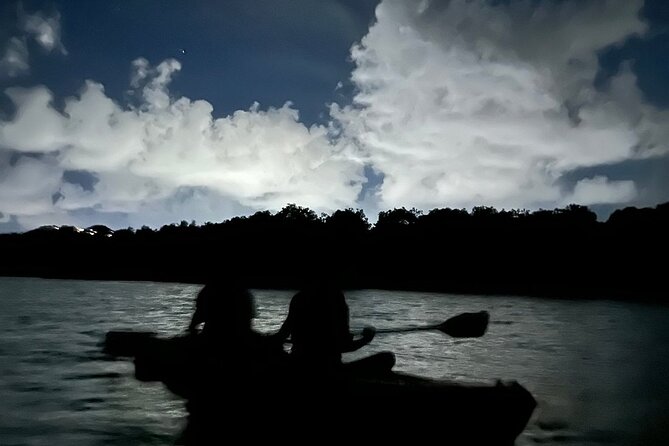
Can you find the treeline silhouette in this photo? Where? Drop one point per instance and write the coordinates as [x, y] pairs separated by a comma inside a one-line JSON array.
[[561, 252]]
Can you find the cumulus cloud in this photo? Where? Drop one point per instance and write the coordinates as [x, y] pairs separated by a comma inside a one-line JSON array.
[[463, 103], [143, 156], [599, 190], [44, 29], [14, 61], [28, 185]]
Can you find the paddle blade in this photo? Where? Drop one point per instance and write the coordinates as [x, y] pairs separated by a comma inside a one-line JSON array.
[[466, 325]]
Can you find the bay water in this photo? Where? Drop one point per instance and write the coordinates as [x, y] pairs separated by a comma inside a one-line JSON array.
[[597, 368]]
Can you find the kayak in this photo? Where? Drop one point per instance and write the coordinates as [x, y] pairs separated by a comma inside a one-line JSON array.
[[387, 407], [465, 413]]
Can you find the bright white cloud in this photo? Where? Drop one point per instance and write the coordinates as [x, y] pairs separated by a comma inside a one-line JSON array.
[[199, 204], [45, 30], [143, 156], [37, 126], [599, 190], [14, 61], [463, 103], [28, 185]]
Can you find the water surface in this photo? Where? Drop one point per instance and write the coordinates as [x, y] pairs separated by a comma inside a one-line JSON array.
[[597, 368]]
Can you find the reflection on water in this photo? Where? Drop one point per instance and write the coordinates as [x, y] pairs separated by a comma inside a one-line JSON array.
[[596, 368]]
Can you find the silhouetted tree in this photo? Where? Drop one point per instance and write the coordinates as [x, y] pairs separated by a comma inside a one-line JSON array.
[[297, 215], [483, 212], [396, 219], [348, 221], [548, 252]]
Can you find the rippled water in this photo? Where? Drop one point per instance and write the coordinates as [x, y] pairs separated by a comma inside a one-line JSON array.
[[597, 368]]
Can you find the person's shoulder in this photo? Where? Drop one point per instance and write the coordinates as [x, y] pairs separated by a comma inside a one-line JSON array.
[[299, 299]]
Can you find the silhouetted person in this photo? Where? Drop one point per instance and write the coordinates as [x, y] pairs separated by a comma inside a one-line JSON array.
[[224, 310], [318, 326], [322, 387], [232, 367]]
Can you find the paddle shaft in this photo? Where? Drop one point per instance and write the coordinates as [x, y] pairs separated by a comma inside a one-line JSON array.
[[407, 329], [397, 330], [465, 325]]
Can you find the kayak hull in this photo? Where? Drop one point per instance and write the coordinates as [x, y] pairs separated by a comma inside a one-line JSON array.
[[292, 403]]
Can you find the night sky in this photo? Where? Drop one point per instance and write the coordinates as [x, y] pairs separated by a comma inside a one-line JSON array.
[[152, 112]]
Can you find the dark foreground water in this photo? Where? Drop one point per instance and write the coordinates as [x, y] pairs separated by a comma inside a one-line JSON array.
[[598, 369]]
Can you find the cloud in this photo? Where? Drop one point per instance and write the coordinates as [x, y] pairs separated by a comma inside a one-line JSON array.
[[187, 203], [599, 190], [44, 29], [15, 60], [457, 103], [462, 103], [27, 186], [145, 156], [37, 126]]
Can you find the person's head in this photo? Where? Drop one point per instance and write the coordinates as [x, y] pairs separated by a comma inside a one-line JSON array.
[[320, 319], [225, 307]]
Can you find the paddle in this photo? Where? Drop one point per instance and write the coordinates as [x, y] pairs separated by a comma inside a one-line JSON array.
[[465, 325]]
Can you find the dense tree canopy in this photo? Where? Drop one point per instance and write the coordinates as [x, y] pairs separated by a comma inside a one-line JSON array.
[[561, 252]]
